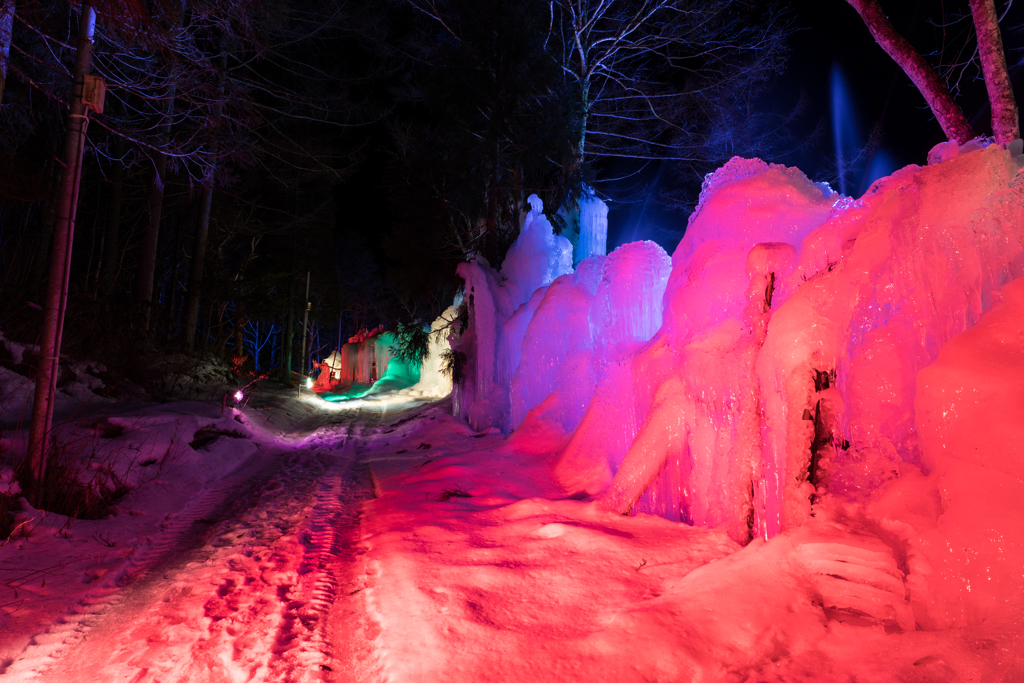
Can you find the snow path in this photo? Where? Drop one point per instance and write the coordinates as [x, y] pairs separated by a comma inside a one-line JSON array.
[[255, 581]]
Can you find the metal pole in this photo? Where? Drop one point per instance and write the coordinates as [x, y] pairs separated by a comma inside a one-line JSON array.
[[305, 328], [60, 258]]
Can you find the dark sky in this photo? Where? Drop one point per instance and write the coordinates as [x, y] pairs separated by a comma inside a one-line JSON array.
[[877, 96]]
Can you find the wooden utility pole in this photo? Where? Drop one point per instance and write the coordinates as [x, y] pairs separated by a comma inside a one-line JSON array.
[[60, 257]]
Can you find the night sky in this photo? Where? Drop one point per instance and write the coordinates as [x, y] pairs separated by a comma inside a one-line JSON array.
[[830, 34], [827, 35]]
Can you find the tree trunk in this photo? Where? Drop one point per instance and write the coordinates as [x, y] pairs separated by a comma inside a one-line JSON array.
[[303, 354], [151, 236], [111, 262], [172, 296], [934, 90], [87, 275], [6, 27], [60, 261], [1005, 122], [239, 324], [574, 179], [286, 351], [195, 275], [220, 346], [208, 329]]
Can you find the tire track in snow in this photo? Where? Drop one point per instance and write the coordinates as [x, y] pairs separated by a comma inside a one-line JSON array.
[[283, 634], [176, 535], [330, 537]]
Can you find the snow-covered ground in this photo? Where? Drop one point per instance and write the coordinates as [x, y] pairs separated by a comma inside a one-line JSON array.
[[480, 569], [819, 397], [266, 557], [227, 560], [820, 385]]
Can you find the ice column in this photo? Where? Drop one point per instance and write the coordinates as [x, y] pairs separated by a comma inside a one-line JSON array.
[[593, 228]]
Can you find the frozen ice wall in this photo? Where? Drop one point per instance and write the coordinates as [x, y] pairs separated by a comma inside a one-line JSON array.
[[593, 228], [381, 355], [583, 322], [534, 260], [510, 341], [350, 362], [796, 322], [854, 361], [786, 348], [333, 363], [477, 401], [357, 362], [398, 375], [363, 360], [366, 355], [556, 351], [690, 384]]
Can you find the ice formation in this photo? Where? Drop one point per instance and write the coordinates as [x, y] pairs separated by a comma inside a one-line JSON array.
[[582, 322], [534, 260], [593, 240], [795, 323], [609, 302], [357, 362], [537, 256], [365, 367]]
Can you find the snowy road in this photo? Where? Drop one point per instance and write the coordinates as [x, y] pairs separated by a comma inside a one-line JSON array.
[[254, 583]]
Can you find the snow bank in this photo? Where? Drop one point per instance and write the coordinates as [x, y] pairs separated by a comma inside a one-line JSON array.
[[78, 381], [969, 419], [57, 573]]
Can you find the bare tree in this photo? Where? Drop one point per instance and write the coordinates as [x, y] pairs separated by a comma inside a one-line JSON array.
[[928, 82], [648, 73], [635, 79], [1005, 120], [989, 52]]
